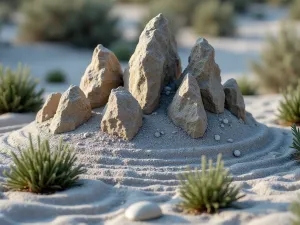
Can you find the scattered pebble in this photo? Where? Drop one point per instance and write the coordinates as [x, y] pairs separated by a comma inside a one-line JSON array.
[[230, 140], [167, 88], [225, 121], [66, 138], [222, 125], [217, 137], [162, 133], [174, 132], [168, 92], [157, 134], [154, 113], [80, 144], [86, 135], [237, 153], [220, 119], [144, 210]]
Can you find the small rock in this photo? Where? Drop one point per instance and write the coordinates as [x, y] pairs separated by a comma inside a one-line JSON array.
[[217, 137], [167, 88], [168, 92], [237, 153], [66, 138], [162, 132], [222, 125], [230, 140], [86, 135], [157, 134], [143, 211], [154, 114], [225, 121], [220, 119], [174, 132], [79, 144]]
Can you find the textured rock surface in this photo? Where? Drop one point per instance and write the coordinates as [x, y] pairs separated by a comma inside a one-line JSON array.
[[155, 63], [144, 210], [102, 75], [123, 115], [73, 110], [49, 108], [203, 67], [187, 110], [234, 100]]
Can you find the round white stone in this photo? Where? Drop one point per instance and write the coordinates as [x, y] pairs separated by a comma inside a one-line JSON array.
[[237, 153], [225, 121], [86, 135], [217, 137], [157, 134], [222, 125], [144, 210]]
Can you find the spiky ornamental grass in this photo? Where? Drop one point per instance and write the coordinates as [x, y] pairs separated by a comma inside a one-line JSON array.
[[208, 190], [40, 170], [289, 107], [296, 142], [18, 91], [295, 209]]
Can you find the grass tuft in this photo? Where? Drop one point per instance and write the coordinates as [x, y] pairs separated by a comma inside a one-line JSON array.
[[56, 76], [295, 210]]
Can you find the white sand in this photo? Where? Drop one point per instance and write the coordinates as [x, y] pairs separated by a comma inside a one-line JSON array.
[[146, 169]]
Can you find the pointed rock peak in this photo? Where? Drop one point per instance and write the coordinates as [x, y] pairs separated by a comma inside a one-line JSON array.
[[156, 22]]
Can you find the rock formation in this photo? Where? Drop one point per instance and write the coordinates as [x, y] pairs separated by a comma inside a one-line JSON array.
[[101, 76], [234, 100], [122, 115], [203, 67], [73, 110], [187, 110], [49, 108], [155, 63]]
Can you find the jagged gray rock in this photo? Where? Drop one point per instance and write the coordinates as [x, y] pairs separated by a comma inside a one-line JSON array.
[[187, 110], [234, 100], [73, 110], [154, 64], [207, 73], [122, 115], [49, 108], [102, 75]]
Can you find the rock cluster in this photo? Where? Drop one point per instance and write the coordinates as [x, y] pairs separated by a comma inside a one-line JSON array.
[[122, 115], [154, 64], [101, 76], [73, 110], [49, 108]]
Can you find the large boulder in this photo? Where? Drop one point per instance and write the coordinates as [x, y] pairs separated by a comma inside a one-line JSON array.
[[234, 100], [122, 115], [155, 63], [49, 108], [187, 110], [207, 73], [73, 110], [102, 75]]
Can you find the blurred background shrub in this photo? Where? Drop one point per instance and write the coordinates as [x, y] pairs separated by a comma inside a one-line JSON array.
[[295, 10], [83, 23], [123, 49], [279, 64], [56, 76], [247, 86], [214, 18]]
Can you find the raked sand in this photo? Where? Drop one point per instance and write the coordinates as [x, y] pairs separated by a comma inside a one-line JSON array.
[[121, 173]]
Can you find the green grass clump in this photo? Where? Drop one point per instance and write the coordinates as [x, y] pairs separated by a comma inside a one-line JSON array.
[[56, 76], [37, 169], [295, 210], [289, 107], [123, 50], [279, 64], [246, 86], [296, 141], [208, 190], [18, 91], [82, 23], [214, 18]]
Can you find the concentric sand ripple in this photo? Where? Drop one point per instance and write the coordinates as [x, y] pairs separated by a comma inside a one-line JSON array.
[[152, 164]]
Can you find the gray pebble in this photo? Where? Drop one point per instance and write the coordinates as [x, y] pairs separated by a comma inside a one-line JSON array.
[[222, 125], [230, 140], [86, 135], [225, 121], [167, 88], [162, 132], [237, 153], [174, 132], [168, 92], [217, 137], [157, 134]]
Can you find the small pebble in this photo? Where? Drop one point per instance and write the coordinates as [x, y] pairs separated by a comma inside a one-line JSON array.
[[144, 210], [230, 140], [66, 138], [222, 125], [220, 119], [162, 132], [157, 134], [168, 92], [86, 135], [225, 121], [80, 144], [174, 132], [154, 113], [217, 137], [237, 153], [167, 88]]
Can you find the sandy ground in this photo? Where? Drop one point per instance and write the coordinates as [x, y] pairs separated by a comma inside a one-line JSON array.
[[133, 171]]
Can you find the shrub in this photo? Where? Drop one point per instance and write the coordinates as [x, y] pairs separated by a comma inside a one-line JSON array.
[[18, 91], [247, 86], [123, 50], [295, 10], [55, 76], [289, 107], [208, 190], [279, 65], [83, 23], [295, 209], [296, 141], [240, 6], [40, 170], [214, 18]]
